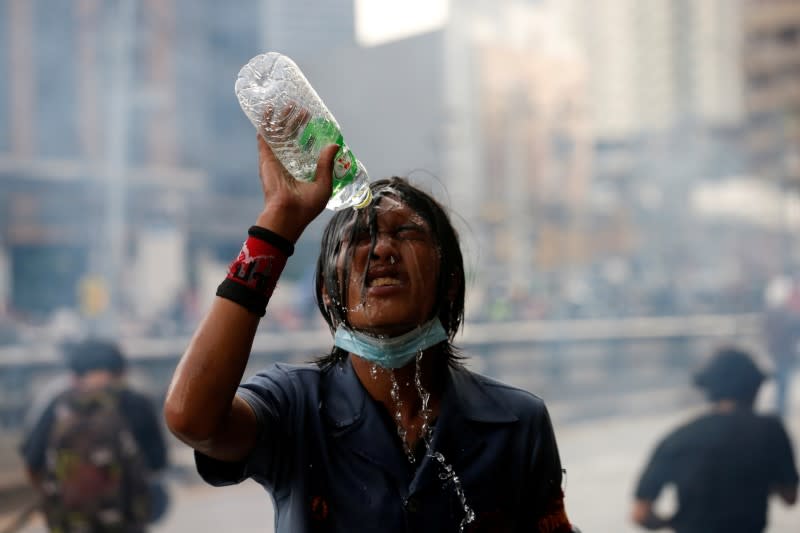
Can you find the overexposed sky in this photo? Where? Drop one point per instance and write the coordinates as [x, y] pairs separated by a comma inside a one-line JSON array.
[[381, 21]]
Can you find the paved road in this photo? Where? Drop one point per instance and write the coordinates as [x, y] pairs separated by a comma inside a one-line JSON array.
[[602, 458]]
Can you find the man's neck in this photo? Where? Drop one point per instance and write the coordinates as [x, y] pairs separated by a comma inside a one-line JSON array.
[[380, 383], [728, 406]]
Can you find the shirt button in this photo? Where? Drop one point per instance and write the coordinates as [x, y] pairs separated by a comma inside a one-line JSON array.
[[411, 504]]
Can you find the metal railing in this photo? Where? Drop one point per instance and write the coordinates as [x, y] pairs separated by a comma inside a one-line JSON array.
[[556, 358]]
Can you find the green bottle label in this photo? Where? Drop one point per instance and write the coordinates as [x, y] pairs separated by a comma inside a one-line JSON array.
[[319, 133]]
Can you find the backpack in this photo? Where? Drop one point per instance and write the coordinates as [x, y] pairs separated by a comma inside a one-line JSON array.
[[95, 476]]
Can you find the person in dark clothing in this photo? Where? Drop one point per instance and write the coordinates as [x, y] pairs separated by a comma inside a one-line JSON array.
[[390, 431], [97, 370], [725, 463]]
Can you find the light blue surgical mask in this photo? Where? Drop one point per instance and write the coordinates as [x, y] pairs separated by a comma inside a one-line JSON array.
[[390, 352]]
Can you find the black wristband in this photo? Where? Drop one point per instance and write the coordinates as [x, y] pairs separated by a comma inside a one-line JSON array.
[[252, 276], [281, 243], [253, 301]]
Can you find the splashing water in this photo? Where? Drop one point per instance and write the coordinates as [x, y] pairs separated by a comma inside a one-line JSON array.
[[447, 475], [425, 397], [398, 418], [341, 262]]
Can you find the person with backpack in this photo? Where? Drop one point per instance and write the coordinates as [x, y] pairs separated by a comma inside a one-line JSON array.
[[93, 452]]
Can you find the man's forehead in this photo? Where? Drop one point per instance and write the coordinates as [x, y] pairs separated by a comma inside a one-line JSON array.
[[389, 209], [388, 203]]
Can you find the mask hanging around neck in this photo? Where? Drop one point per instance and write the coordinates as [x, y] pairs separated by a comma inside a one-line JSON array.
[[390, 352]]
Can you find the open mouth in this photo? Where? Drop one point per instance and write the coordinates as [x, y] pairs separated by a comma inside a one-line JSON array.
[[383, 276], [383, 282]]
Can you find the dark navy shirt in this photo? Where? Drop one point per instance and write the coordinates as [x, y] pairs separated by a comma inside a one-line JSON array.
[[723, 466], [331, 462]]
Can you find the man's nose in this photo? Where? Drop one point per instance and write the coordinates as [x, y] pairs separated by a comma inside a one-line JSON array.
[[385, 245]]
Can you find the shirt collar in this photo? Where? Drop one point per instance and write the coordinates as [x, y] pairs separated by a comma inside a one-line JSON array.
[[474, 398], [343, 396], [468, 394]]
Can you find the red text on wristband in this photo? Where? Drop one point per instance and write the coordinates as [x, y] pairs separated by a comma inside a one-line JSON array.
[[258, 266]]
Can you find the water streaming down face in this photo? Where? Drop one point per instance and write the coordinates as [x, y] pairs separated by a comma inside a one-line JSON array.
[[392, 235], [337, 268]]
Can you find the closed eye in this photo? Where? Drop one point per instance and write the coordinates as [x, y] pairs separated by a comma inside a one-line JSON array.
[[409, 232], [412, 232], [362, 238]]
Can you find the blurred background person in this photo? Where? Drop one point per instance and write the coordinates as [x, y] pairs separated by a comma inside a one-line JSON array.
[[95, 450], [782, 335], [726, 463]]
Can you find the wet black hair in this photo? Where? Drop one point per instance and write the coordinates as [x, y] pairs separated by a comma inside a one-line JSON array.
[[343, 227], [730, 374], [94, 354]]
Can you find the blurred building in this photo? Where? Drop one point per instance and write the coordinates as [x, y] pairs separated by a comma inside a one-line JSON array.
[[93, 173], [306, 28], [712, 43], [565, 134], [659, 73], [666, 112], [771, 58], [127, 169], [536, 143], [653, 65]]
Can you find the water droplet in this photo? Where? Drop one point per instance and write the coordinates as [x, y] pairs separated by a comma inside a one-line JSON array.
[[447, 475], [394, 392]]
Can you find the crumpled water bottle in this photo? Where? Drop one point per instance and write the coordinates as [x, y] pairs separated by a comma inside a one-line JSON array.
[[296, 124]]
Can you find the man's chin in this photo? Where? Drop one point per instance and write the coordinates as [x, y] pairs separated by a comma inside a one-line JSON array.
[[388, 330]]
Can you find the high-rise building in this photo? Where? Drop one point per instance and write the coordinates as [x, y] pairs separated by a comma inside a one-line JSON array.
[[535, 140], [121, 139], [658, 64], [771, 59], [306, 28], [713, 43], [90, 148]]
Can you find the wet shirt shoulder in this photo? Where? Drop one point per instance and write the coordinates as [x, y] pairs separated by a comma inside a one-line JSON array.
[[332, 463]]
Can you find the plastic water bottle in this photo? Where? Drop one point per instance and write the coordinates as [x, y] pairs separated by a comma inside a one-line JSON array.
[[293, 120]]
